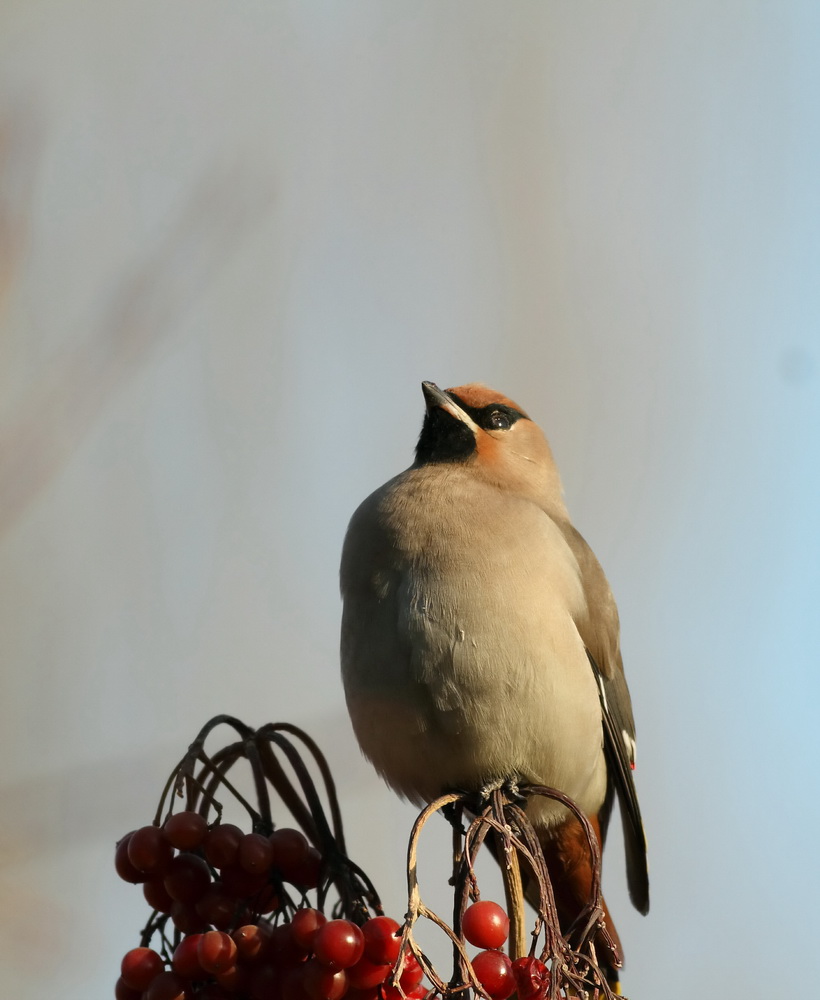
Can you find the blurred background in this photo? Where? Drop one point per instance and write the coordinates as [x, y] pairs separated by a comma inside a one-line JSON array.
[[234, 238]]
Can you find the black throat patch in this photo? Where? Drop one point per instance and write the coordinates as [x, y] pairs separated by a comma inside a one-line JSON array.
[[445, 438]]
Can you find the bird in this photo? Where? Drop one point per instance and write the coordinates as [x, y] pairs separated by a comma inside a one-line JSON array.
[[480, 640]]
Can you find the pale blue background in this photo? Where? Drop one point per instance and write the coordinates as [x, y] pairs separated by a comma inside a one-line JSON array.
[[233, 240]]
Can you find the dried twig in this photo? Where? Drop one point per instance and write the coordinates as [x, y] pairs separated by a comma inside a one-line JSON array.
[[571, 961]]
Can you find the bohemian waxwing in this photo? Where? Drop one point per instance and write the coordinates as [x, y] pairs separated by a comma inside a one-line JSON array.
[[480, 638]]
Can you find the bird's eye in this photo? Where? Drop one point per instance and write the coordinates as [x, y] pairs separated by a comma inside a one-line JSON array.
[[499, 421]]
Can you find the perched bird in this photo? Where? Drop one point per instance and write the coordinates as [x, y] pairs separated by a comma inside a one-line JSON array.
[[480, 639]]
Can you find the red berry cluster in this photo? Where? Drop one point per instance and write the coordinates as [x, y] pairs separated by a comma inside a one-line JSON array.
[[486, 926], [306, 958], [224, 893], [214, 877]]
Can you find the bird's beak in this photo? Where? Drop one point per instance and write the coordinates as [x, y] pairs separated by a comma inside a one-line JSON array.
[[435, 397]]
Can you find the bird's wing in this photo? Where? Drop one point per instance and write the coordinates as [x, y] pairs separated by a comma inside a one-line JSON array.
[[600, 630]]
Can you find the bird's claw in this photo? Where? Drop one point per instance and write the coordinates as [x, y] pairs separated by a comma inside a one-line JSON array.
[[509, 786]]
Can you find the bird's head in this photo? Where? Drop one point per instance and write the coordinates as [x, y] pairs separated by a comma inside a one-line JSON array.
[[491, 436]]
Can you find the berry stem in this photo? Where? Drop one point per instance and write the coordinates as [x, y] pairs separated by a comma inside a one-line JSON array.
[[217, 767], [275, 774], [514, 893], [327, 777]]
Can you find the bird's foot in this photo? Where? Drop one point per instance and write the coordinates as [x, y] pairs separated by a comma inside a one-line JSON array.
[[509, 786]]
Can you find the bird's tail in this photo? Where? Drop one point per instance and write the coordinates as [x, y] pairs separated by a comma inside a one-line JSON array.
[[566, 851]]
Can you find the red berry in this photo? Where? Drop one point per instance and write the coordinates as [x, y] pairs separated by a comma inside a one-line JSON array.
[[338, 944], [156, 895], [494, 971], [125, 869], [123, 992], [187, 879], [187, 920], [532, 978], [216, 907], [322, 983], [369, 994], [389, 992], [167, 986], [365, 975], [290, 848], [140, 967], [149, 851], [304, 925], [234, 980], [381, 940], [292, 985], [213, 991], [216, 951], [412, 973], [283, 949], [255, 853], [251, 940], [308, 872], [185, 830], [185, 961], [221, 844], [265, 982], [266, 900], [241, 884], [485, 924]]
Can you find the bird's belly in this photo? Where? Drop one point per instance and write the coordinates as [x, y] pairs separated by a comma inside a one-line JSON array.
[[467, 702], [462, 662]]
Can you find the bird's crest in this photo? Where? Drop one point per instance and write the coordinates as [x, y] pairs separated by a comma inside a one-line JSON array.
[[478, 395]]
